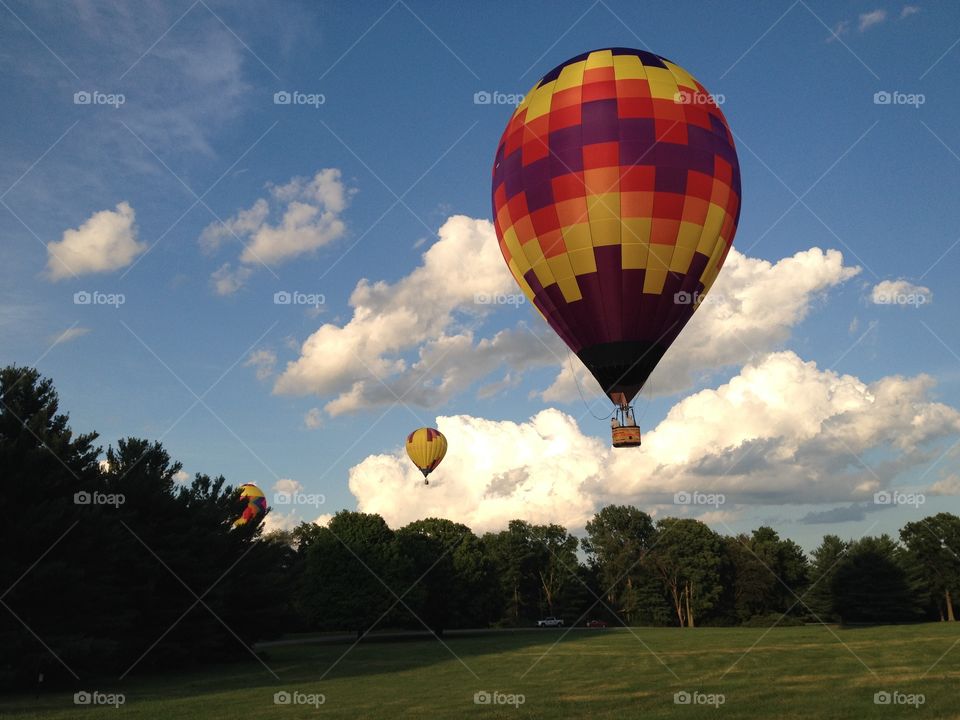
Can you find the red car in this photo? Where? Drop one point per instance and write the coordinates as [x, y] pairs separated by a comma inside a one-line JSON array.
[[596, 624]]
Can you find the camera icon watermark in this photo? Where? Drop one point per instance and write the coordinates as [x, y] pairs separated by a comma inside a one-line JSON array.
[[695, 298], [898, 497], [98, 498], [699, 498], [485, 697], [284, 697], [901, 298], [296, 297], [295, 97], [95, 697], [695, 97], [95, 97], [95, 297], [696, 697], [299, 498], [895, 97], [514, 299], [485, 97], [895, 697]]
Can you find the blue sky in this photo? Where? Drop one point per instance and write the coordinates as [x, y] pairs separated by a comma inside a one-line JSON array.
[[198, 138]]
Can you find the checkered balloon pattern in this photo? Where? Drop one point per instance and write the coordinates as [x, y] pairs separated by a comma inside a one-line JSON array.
[[616, 196]]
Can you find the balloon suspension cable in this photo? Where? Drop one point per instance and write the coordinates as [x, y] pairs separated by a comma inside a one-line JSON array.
[[624, 415], [580, 390], [647, 396]]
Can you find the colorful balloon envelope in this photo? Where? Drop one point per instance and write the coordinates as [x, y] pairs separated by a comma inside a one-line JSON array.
[[254, 504], [426, 447], [616, 196]]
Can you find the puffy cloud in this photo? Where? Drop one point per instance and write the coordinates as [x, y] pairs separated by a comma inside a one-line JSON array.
[[106, 241], [264, 361], [900, 292], [313, 419], [752, 307], [280, 521], [361, 363], [227, 279], [309, 217], [287, 486], [781, 431], [868, 20], [947, 486], [493, 471], [909, 10], [450, 364], [841, 28], [182, 477]]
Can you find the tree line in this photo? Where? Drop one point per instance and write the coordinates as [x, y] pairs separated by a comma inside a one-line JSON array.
[[113, 568]]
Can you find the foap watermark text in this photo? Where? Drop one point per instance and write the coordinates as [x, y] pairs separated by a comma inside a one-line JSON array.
[[698, 498]]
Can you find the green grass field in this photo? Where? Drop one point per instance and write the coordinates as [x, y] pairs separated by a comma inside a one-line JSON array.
[[800, 672]]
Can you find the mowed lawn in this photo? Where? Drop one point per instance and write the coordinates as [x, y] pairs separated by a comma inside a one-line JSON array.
[[803, 672]]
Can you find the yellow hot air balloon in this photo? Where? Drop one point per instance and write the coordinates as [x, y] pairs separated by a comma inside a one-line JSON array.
[[426, 447], [253, 502]]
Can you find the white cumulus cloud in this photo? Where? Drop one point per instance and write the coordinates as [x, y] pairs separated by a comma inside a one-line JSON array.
[[361, 364], [313, 419], [493, 471], [949, 485], [869, 19], [900, 292], [781, 431], [106, 241], [308, 216], [264, 361], [287, 486]]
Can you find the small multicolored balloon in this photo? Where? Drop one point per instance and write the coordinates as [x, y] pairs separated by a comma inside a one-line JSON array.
[[426, 447], [254, 504]]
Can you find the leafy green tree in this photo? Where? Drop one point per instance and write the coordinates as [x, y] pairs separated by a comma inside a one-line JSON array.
[[747, 582], [110, 560], [514, 559], [688, 557], [350, 577], [449, 573], [872, 585], [557, 564], [618, 540], [764, 575], [819, 595], [933, 548], [44, 464]]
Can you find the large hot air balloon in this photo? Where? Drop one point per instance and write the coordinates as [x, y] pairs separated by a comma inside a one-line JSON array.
[[254, 504], [426, 447], [616, 196]]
